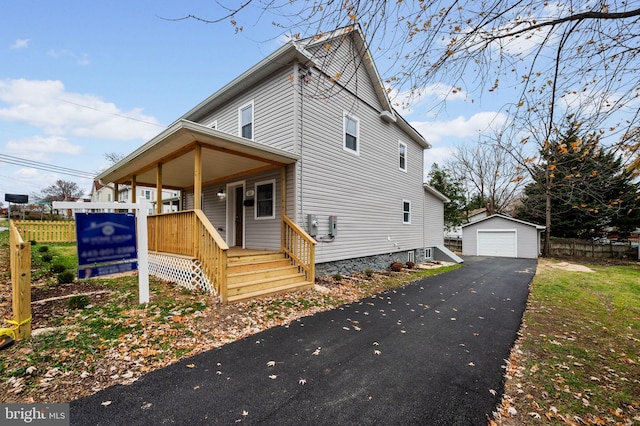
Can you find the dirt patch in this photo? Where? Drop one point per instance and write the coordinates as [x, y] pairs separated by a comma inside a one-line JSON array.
[[566, 266]]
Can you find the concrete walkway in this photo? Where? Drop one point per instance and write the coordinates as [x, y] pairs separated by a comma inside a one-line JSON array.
[[430, 353]]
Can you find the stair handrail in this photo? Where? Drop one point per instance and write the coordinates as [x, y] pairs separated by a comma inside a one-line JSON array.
[[299, 246]]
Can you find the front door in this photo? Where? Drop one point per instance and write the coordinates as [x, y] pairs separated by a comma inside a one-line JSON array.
[[238, 212]]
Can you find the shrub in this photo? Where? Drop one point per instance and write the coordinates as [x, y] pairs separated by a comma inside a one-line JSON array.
[[79, 301], [56, 268], [47, 257], [369, 273], [43, 249], [66, 277], [337, 277], [410, 264], [396, 267]]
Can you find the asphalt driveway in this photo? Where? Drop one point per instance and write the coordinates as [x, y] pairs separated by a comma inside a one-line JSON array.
[[430, 353]]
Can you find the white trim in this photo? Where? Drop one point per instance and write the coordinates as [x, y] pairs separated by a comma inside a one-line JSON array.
[[273, 201], [213, 125], [230, 235], [253, 122], [428, 253], [352, 117], [404, 211], [406, 150]]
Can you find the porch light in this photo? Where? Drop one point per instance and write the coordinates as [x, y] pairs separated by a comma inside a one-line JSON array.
[[221, 194]]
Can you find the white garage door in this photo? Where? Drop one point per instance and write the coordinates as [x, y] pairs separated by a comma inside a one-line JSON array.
[[497, 243]]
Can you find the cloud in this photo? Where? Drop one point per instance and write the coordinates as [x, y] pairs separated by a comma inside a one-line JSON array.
[[460, 127], [47, 105], [407, 101], [82, 59], [21, 43], [37, 147]]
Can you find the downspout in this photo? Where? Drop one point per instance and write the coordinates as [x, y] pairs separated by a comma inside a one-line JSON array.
[[301, 108]]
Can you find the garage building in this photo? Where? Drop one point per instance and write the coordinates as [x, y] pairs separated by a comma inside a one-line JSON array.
[[501, 236]]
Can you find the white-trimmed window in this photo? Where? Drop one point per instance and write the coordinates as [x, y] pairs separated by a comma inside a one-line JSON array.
[[246, 120], [402, 156], [428, 253], [146, 194], [406, 211], [266, 199], [351, 134]]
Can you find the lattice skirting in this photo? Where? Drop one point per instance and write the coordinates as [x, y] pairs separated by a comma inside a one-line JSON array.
[[184, 271]]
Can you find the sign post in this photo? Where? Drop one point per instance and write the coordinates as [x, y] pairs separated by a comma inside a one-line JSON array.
[[112, 237]]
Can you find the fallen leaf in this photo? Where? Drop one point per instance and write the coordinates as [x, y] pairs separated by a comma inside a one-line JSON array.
[[105, 403], [377, 352], [302, 381], [271, 363], [273, 377], [191, 366], [245, 413]]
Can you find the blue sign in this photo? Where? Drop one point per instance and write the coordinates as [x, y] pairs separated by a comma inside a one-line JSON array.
[[105, 238]]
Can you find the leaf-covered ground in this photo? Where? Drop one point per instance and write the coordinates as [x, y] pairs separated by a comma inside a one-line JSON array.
[[77, 352], [577, 360]]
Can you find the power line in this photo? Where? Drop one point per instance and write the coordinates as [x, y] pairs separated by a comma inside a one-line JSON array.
[[46, 167], [111, 113]]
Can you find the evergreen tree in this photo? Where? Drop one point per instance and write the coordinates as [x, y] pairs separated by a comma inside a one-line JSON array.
[[591, 189], [454, 210]]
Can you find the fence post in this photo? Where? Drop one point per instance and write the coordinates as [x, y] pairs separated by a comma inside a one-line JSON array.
[[21, 287]]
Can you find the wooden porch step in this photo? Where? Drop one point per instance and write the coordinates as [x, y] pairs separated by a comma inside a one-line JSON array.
[[302, 285], [244, 266]]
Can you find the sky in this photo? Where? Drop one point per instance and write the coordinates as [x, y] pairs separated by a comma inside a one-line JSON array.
[[80, 79]]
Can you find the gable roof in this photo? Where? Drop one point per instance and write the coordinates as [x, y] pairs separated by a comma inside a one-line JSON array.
[[299, 50], [496, 215], [435, 193]]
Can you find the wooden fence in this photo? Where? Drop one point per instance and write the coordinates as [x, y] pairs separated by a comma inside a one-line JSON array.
[[47, 231], [453, 244], [584, 248]]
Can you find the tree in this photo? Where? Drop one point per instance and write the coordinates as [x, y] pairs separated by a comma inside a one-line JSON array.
[[114, 157], [62, 190], [591, 188], [454, 210], [490, 173]]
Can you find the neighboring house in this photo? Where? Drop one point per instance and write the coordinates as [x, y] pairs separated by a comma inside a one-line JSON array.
[[101, 193], [105, 193], [502, 236], [474, 215], [305, 143]]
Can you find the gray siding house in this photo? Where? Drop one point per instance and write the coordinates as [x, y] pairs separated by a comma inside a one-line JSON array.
[[308, 136]]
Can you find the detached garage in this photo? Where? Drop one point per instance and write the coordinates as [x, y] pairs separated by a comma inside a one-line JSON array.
[[501, 236]]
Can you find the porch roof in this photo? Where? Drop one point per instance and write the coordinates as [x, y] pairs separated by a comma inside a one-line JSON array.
[[223, 156]]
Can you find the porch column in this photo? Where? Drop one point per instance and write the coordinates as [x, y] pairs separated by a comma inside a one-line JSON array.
[[133, 189], [115, 192], [197, 178], [159, 189]]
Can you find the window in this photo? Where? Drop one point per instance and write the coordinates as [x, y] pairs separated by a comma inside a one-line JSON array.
[[411, 256], [351, 134], [266, 200], [406, 211], [147, 194], [427, 253], [402, 155], [246, 121]]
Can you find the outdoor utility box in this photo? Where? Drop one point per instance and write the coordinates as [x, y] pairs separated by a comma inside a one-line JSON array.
[[312, 224], [333, 226]]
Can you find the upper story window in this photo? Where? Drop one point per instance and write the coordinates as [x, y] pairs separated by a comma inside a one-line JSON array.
[[406, 211], [146, 194], [266, 199], [351, 134], [246, 121], [402, 156]]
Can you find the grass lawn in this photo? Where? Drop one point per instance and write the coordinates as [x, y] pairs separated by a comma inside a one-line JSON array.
[[578, 358]]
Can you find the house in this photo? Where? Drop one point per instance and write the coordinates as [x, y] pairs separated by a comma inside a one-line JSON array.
[[105, 193], [474, 215], [501, 236], [301, 159]]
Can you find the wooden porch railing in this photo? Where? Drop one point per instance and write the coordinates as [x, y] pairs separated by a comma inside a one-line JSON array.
[[299, 247], [189, 233], [47, 231]]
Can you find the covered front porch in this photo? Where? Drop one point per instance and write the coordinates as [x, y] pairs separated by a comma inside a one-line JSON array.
[[254, 249]]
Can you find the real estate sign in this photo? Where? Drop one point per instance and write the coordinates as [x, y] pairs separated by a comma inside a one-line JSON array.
[[106, 243]]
